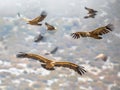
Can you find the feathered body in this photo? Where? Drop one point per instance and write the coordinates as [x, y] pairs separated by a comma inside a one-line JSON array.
[[91, 12], [96, 34], [49, 27], [50, 64], [36, 20]]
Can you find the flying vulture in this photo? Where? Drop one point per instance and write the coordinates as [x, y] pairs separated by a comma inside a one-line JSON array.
[[49, 27], [53, 51], [36, 20], [96, 34], [50, 64], [91, 12]]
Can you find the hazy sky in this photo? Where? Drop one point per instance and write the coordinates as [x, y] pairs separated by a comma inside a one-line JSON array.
[[55, 7]]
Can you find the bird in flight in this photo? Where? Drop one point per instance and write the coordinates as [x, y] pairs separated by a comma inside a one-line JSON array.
[[38, 38], [49, 27], [50, 64], [101, 57], [91, 12], [53, 51], [36, 20], [96, 34]]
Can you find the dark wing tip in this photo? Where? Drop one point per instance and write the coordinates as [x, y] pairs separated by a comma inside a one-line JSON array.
[[110, 27], [75, 35], [43, 13], [18, 14], [86, 17], [81, 70], [46, 23], [86, 8], [21, 54]]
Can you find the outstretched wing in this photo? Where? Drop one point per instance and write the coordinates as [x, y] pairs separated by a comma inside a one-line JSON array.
[[77, 35], [49, 27], [40, 18], [90, 10], [102, 30], [73, 66], [33, 56]]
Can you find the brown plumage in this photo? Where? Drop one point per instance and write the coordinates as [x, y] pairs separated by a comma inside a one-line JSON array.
[[50, 64], [90, 11], [36, 20], [90, 16], [49, 27], [95, 33]]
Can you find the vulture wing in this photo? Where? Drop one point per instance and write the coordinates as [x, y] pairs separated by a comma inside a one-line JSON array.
[[77, 35], [102, 30], [70, 65], [33, 56]]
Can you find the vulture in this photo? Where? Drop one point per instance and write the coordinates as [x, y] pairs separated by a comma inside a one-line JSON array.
[[91, 12], [53, 51], [51, 64], [101, 57], [38, 38], [96, 34], [49, 27], [36, 20]]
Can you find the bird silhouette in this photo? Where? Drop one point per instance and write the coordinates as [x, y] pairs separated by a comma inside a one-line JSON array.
[[49, 27], [36, 20], [53, 51], [91, 13], [51, 64], [96, 34], [38, 38]]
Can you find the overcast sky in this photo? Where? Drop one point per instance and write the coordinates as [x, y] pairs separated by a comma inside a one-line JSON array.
[[53, 7]]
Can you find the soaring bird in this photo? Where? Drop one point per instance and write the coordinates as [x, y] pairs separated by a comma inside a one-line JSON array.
[[36, 20], [90, 11], [38, 38], [95, 33], [53, 51], [49, 27], [102, 57], [50, 64]]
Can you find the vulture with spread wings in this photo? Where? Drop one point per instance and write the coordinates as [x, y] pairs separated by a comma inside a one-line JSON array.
[[50, 64], [95, 33], [36, 20], [91, 12], [50, 27]]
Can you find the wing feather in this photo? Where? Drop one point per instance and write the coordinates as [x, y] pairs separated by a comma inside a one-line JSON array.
[[77, 35], [33, 56], [73, 66], [102, 30], [40, 18], [50, 27]]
